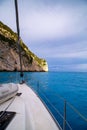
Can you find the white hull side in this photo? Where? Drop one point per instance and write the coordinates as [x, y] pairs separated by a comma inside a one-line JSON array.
[[31, 113]]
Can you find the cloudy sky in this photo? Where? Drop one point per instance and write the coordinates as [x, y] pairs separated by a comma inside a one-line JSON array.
[[53, 29]]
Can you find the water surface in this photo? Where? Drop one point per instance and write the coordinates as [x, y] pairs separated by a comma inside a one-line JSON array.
[[69, 85]]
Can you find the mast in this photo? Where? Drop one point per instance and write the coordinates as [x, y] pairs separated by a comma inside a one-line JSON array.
[[18, 33]]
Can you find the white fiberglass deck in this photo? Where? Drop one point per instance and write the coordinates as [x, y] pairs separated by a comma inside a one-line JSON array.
[[31, 113]]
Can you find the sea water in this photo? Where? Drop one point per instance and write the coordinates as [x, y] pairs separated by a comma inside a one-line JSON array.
[[56, 89]]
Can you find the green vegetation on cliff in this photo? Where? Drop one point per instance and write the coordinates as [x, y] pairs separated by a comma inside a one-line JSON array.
[[8, 35]]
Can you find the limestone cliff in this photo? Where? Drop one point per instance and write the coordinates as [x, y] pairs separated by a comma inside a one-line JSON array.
[[9, 53]]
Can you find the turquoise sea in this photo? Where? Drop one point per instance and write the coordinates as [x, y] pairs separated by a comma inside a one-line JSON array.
[[55, 88]]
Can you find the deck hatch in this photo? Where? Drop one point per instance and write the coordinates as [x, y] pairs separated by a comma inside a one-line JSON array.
[[5, 119]]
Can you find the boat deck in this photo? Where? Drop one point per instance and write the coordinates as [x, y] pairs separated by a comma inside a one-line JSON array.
[[31, 114]]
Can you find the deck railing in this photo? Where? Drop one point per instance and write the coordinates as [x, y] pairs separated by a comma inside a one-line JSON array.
[[65, 122], [38, 90], [66, 103]]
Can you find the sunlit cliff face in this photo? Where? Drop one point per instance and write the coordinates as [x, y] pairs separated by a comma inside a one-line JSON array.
[[9, 54]]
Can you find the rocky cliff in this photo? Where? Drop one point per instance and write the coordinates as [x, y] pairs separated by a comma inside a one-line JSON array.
[[9, 53]]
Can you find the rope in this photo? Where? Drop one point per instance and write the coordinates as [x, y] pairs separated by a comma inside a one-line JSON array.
[[7, 106]]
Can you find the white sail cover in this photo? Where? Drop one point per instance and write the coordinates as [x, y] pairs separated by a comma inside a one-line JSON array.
[[7, 91]]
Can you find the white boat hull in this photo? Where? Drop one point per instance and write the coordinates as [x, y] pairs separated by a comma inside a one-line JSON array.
[[31, 114]]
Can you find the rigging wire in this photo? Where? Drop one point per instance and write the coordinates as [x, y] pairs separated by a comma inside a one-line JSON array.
[[7, 106], [57, 111], [18, 40]]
